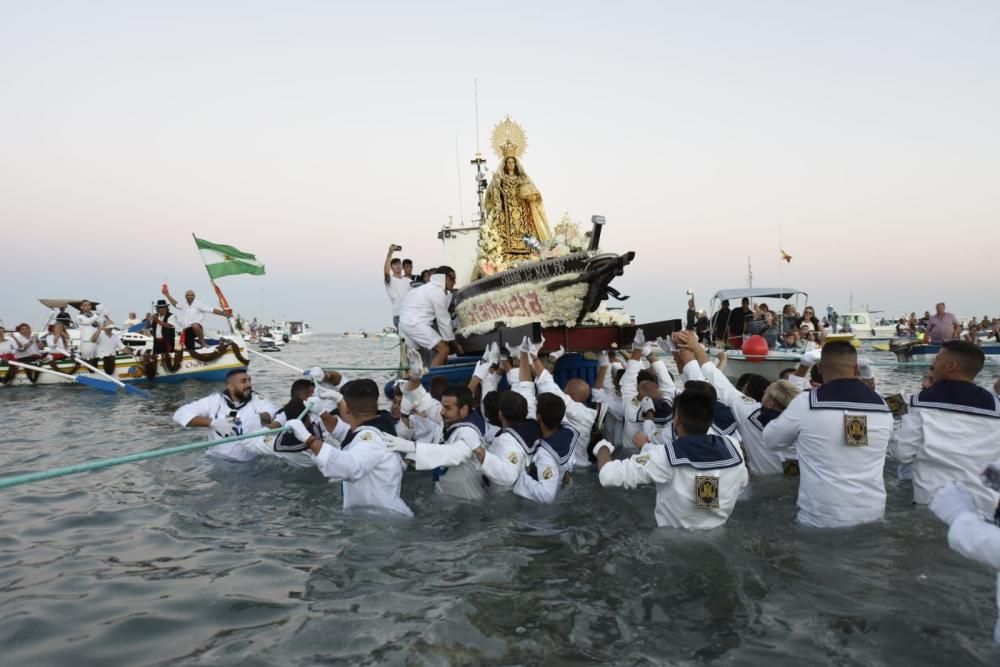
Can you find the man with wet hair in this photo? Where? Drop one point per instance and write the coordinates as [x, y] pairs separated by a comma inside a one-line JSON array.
[[951, 430], [456, 472], [698, 476], [552, 461], [840, 431], [236, 410]]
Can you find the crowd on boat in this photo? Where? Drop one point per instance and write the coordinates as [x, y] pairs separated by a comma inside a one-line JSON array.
[[700, 438]]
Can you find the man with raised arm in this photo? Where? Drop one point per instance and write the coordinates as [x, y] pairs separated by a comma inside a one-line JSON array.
[[698, 476]]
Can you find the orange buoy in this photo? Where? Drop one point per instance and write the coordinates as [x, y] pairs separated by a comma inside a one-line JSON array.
[[755, 348]]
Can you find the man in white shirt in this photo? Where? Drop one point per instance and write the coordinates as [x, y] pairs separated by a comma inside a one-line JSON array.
[[397, 284], [192, 315], [234, 411], [424, 320], [841, 432], [951, 430], [88, 321]]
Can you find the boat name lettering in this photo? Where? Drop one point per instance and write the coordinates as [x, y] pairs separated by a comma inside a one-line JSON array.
[[518, 304]]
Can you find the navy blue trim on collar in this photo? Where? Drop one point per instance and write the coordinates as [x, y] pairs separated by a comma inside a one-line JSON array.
[[559, 444], [475, 420], [526, 433], [846, 394], [958, 396], [724, 420], [703, 452], [762, 416], [381, 423]]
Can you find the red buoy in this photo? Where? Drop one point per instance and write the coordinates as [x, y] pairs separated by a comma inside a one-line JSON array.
[[755, 348]]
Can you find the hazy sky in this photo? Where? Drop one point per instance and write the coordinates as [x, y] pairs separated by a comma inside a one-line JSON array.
[[315, 133]]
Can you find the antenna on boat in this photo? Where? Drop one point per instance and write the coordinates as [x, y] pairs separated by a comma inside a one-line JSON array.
[[458, 171], [478, 161]]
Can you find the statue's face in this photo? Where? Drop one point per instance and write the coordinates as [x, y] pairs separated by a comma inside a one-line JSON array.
[[509, 165]]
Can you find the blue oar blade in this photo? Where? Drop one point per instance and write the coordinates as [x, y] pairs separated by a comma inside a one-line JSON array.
[[130, 389], [96, 383]]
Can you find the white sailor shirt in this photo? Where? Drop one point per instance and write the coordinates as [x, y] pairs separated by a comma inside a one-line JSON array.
[[974, 538], [372, 475], [220, 405], [698, 479], [508, 455], [551, 462], [951, 432], [751, 419], [579, 418], [840, 483]]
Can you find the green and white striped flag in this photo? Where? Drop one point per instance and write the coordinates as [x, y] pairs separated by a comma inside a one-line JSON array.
[[225, 260]]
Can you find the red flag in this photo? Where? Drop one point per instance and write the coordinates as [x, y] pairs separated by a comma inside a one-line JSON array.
[[222, 298]]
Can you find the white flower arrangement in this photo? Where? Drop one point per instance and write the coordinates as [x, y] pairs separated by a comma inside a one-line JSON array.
[[602, 317], [522, 304]]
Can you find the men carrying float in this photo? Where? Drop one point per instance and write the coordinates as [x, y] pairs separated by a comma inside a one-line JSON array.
[[425, 308], [751, 416], [698, 476], [192, 316], [646, 394], [371, 473], [234, 411], [952, 429], [840, 432], [456, 472]]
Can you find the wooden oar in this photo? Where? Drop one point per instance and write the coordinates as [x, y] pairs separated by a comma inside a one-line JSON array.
[[86, 381], [129, 389]]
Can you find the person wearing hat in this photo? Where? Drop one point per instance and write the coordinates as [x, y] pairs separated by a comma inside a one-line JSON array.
[[235, 410], [164, 326]]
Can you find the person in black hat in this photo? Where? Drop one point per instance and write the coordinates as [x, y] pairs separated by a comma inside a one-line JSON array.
[[164, 326]]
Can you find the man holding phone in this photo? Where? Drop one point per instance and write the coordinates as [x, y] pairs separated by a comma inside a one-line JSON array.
[[397, 286]]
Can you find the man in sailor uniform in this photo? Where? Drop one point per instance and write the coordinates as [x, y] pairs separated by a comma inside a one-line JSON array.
[[462, 427], [841, 432], [645, 394], [372, 475], [552, 460], [698, 476], [236, 410], [579, 417], [315, 408], [506, 457], [607, 391], [750, 416], [951, 430], [486, 378], [968, 533], [424, 320]]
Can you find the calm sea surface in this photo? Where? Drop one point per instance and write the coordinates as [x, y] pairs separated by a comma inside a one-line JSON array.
[[185, 560]]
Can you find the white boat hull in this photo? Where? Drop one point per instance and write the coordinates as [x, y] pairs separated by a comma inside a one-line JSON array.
[[770, 366]]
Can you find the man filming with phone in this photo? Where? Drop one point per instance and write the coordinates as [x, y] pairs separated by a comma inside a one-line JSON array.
[[397, 286]]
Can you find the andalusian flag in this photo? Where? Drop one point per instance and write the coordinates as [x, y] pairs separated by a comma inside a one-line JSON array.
[[225, 260]]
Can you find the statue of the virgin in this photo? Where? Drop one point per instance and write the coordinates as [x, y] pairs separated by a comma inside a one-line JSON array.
[[513, 204]]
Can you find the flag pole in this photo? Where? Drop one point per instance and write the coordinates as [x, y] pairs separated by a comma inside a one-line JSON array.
[[223, 304]]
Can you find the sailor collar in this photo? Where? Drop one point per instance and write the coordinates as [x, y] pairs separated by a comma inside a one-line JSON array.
[[233, 405], [724, 420], [380, 423], [762, 416], [703, 452], [526, 433], [958, 396], [559, 444], [846, 394], [474, 420], [663, 411]]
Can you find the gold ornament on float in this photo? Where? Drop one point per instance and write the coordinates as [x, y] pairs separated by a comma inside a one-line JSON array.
[[509, 139]]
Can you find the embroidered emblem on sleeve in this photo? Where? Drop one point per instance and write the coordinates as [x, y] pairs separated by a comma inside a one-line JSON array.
[[548, 473], [706, 492], [856, 430], [642, 459], [512, 457], [367, 436], [747, 399]]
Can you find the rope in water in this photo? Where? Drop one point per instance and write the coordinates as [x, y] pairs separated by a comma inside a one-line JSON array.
[[101, 464]]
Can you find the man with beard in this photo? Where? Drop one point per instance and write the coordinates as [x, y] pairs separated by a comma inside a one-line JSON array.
[[234, 411]]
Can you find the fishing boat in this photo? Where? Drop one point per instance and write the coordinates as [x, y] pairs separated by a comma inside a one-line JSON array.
[[206, 364], [864, 327], [916, 353], [774, 361]]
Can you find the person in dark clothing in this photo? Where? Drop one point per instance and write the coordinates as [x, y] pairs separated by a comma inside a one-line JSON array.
[[720, 320], [738, 322]]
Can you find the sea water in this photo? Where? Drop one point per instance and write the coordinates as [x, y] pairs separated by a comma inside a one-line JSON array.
[[187, 560]]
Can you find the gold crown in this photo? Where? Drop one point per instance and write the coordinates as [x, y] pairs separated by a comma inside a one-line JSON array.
[[509, 139]]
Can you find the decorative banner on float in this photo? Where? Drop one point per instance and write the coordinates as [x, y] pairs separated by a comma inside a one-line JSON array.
[[521, 304]]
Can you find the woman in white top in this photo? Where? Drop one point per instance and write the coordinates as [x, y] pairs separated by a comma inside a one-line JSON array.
[[7, 346], [57, 342], [28, 347]]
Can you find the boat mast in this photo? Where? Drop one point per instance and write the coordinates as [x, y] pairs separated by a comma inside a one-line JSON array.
[[478, 161], [749, 274]]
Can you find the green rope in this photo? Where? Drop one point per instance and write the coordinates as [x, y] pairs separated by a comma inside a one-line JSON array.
[[349, 368], [100, 464]]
